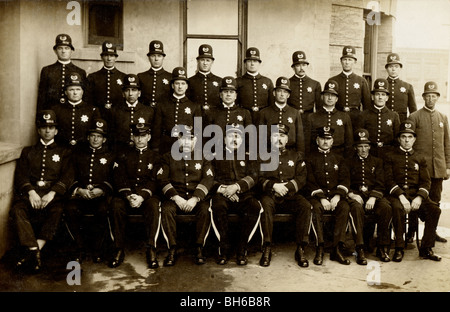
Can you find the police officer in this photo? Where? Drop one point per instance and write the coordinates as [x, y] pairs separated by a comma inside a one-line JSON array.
[[354, 91], [155, 81], [305, 95], [235, 178], [366, 196], [91, 191], [51, 90], [408, 182], [137, 193], [382, 123], [402, 99], [129, 111], [254, 90], [42, 178], [75, 116], [175, 110], [279, 112], [329, 116], [282, 190], [185, 183], [328, 182], [105, 85], [204, 86]]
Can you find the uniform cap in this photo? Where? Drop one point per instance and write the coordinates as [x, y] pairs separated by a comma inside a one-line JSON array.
[[234, 127], [140, 128], [131, 81], [179, 73], [252, 54], [325, 132], [156, 47], [430, 87], [393, 58], [349, 51], [228, 83], [361, 136], [282, 128], [299, 57], [100, 126], [109, 48], [380, 85], [74, 79], [406, 127], [63, 40], [283, 83], [331, 86], [205, 50], [46, 118]]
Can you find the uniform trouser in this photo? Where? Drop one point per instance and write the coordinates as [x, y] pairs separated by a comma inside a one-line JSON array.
[[74, 211], [32, 224], [428, 212], [295, 204], [203, 221], [341, 213], [383, 215], [248, 209], [150, 212]]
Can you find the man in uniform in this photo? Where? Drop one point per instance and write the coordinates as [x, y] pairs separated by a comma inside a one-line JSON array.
[[408, 182], [254, 90], [175, 110], [402, 99], [42, 178], [433, 142], [129, 111], [75, 116], [185, 185], [137, 193], [305, 95], [328, 181], [155, 81], [279, 112], [282, 191], [204, 86], [381, 122], [51, 90], [354, 91], [105, 85], [366, 195], [329, 116], [233, 192], [91, 191]]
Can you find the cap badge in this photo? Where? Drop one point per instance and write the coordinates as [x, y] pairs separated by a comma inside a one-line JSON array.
[[283, 81], [393, 57], [300, 56], [361, 134], [74, 77], [349, 50], [46, 117], [331, 85], [326, 129], [131, 79], [109, 45], [228, 81], [62, 38], [407, 125], [99, 124], [205, 49], [431, 86], [252, 52], [381, 84], [181, 72], [157, 45], [140, 125]]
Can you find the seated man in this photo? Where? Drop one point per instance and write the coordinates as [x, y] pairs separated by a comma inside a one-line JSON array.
[[91, 191], [185, 185], [235, 178], [42, 177], [137, 192], [281, 191]]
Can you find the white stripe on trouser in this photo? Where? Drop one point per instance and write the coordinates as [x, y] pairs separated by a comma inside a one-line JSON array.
[[212, 222], [258, 223], [159, 225], [68, 230], [314, 230], [110, 229], [165, 235], [352, 223], [209, 227]]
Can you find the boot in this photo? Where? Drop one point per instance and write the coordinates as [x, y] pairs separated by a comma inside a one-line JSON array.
[[318, 259]]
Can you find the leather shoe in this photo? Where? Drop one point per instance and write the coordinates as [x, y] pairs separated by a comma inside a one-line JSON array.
[[199, 257], [440, 239], [427, 253], [398, 255], [382, 254], [37, 264], [300, 257], [336, 255], [117, 259], [360, 257], [171, 257], [266, 256], [242, 257], [150, 255], [318, 258]]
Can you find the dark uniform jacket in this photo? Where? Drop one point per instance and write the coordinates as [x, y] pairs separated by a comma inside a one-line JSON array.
[[305, 93], [401, 97], [185, 177], [204, 90], [155, 86], [327, 175], [291, 169], [223, 116], [43, 169], [74, 122], [383, 125], [354, 92], [135, 172], [366, 176], [51, 84], [406, 173], [288, 116], [339, 121]]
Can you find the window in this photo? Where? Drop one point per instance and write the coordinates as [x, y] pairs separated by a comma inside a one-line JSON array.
[[104, 20]]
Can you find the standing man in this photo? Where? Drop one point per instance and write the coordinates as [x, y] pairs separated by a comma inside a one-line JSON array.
[[51, 90], [402, 99], [354, 91], [255, 91], [305, 95], [204, 86], [433, 142], [137, 193], [155, 81], [105, 86], [408, 182], [282, 191], [42, 178], [279, 112]]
